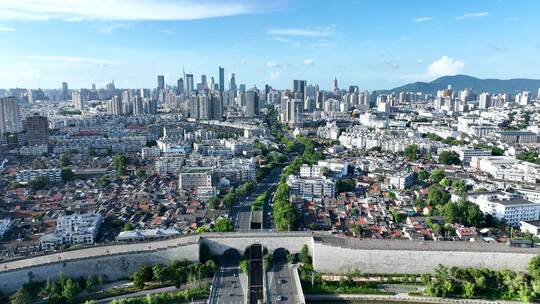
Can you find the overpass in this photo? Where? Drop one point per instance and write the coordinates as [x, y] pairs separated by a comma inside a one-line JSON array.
[[331, 254]]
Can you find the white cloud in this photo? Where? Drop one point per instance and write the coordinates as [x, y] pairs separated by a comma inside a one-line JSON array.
[[422, 19], [445, 66], [69, 59], [309, 62], [108, 29], [272, 64], [472, 15], [4, 28], [275, 75], [316, 32], [123, 9]]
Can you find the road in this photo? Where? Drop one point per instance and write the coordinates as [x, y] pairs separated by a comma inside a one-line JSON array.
[[241, 212], [226, 287], [281, 281], [256, 288], [150, 292]]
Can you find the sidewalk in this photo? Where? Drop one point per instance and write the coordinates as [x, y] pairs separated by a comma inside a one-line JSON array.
[[400, 298]]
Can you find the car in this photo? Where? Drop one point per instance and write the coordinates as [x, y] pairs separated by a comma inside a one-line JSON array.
[[234, 274], [283, 281], [279, 298]]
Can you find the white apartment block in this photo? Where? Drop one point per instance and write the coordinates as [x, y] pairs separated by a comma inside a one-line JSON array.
[[195, 178], [311, 188], [506, 168], [337, 167], [25, 176], [441, 131], [307, 171], [73, 229], [467, 153], [169, 164], [403, 181], [504, 206], [150, 152]]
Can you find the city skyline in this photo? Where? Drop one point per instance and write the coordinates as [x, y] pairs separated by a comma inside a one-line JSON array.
[[373, 44]]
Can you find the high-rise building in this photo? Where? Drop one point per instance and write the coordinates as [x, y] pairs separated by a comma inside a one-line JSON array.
[[77, 101], [222, 80], [295, 110], [138, 108], [37, 130], [217, 106], [299, 86], [65, 91], [232, 83], [251, 108], [180, 86], [538, 96], [114, 106], [485, 101], [335, 87], [10, 116], [160, 82], [150, 106], [189, 84]]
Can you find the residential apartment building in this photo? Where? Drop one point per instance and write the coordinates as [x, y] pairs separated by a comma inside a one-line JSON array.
[[505, 206], [311, 188], [76, 229], [25, 176]]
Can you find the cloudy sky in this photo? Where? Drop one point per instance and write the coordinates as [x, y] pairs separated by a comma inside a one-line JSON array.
[[370, 43]]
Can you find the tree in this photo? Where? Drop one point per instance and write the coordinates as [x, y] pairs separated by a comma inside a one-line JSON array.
[[71, 289], [128, 226], [423, 175], [39, 183], [468, 289], [345, 185], [143, 275], [140, 173], [444, 182], [213, 203], [223, 225], [411, 152], [22, 296], [67, 174], [449, 158], [159, 272], [244, 266], [120, 161], [303, 255], [534, 267], [229, 199], [64, 160], [437, 175], [437, 195]]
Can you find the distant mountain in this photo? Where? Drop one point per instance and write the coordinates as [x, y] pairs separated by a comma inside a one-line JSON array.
[[461, 82]]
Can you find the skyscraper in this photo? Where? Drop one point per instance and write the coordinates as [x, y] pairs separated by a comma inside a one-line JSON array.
[[160, 82], [232, 83], [299, 86], [180, 86], [189, 84], [138, 108], [203, 81], [65, 91], [114, 106], [37, 130], [252, 103], [335, 87], [76, 99], [10, 116], [222, 80]]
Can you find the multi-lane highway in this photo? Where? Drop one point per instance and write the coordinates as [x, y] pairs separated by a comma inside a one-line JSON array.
[[241, 212], [226, 287], [282, 286]]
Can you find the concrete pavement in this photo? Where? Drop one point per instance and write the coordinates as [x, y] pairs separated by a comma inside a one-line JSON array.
[[226, 287]]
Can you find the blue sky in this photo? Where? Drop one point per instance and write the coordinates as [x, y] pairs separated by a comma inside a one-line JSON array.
[[370, 43]]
